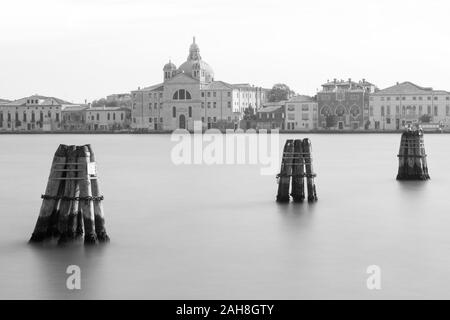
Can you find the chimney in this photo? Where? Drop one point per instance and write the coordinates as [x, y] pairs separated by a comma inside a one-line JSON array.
[[364, 80], [335, 80], [349, 79]]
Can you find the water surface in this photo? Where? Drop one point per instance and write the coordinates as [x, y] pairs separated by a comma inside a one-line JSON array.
[[207, 232]]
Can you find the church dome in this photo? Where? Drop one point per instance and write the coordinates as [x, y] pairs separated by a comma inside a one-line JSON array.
[[190, 65], [169, 66], [195, 62]]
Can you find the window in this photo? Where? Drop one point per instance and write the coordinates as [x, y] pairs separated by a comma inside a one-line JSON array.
[[209, 94], [214, 104], [215, 119], [382, 111], [121, 116], [174, 112], [98, 116], [214, 94], [57, 117], [229, 104], [203, 94], [209, 105], [114, 116], [203, 105], [435, 111], [182, 95], [190, 111], [24, 117], [109, 116], [229, 94], [447, 111], [150, 120]]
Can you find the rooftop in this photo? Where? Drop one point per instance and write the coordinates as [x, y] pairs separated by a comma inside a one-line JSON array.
[[408, 88]]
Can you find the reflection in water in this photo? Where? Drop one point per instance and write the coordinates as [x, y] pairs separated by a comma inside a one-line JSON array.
[[51, 265]]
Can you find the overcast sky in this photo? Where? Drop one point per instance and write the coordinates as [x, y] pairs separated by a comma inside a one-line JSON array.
[[86, 49]]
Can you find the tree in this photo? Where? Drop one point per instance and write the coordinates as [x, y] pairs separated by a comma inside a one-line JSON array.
[[249, 113], [280, 92]]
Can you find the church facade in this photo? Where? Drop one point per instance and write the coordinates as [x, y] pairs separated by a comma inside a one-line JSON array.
[[190, 93]]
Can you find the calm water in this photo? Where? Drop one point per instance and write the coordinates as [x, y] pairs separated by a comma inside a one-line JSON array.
[[188, 232]]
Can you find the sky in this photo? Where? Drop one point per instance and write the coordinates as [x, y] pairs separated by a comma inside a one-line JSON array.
[[81, 50]]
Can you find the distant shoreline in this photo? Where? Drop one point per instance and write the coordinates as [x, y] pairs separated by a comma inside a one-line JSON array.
[[331, 132]]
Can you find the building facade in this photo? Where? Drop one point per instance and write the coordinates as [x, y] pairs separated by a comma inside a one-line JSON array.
[[344, 105], [407, 103], [301, 113], [33, 113], [271, 116], [107, 118], [190, 93]]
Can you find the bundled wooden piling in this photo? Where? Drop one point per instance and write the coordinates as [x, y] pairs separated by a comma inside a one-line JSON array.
[[298, 173], [412, 157], [296, 166], [285, 172], [310, 175], [72, 200], [98, 205]]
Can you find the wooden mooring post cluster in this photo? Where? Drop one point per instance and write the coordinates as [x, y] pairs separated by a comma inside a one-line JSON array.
[[296, 167], [412, 158], [72, 205]]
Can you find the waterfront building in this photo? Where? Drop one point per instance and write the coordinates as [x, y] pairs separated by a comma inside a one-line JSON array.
[[271, 116], [344, 105], [190, 93], [33, 113], [407, 103], [107, 118], [73, 117], [301, 113]]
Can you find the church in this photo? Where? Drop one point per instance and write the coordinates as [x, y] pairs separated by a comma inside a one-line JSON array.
[[190, 93]]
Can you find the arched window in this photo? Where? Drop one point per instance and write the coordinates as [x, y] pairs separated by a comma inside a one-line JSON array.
[[340, 111], [354, 111], [182, 95], [174, 112], [190, 111], [325, 111]]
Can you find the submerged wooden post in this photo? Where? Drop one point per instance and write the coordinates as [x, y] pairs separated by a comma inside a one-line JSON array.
[[65, 225], [310, 175], [71, 206], [50, 202], [285, 172], [296, 163], [298, 173], [412, 163], [86, 204], [100, 230]]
